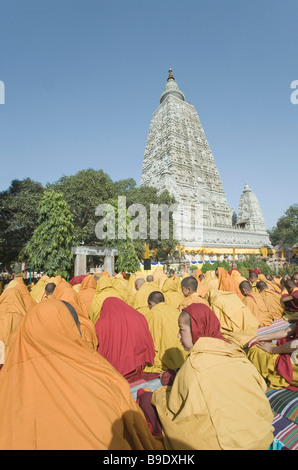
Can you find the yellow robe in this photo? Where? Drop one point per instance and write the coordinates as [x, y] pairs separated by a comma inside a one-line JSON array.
[[217, 401], [255, 302], [140, 299], [273, 302], [237, 322], [265, 364], [104, 289], [210, 280], [172, 292], [163, 325], [194, 298]]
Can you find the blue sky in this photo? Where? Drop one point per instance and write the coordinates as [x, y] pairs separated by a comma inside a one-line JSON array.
[[83, 78]]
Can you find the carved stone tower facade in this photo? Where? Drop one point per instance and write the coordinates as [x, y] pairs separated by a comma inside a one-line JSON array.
[[178, 158]]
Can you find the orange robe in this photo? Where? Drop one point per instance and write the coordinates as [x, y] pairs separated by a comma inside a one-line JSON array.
[[12, 312], [19, 284], [227, 283], [86, 293], [56, 394], [64, 291]]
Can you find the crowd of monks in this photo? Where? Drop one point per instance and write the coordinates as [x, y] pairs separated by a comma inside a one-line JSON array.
[[70, 351]]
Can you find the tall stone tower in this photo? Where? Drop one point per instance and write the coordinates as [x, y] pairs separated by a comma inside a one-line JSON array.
[[178, 158]]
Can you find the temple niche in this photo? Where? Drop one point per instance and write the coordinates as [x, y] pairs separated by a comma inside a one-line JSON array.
[[178, 158]]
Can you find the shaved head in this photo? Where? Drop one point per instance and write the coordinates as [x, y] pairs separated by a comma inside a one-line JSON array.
[[189, 282], [139, 283]]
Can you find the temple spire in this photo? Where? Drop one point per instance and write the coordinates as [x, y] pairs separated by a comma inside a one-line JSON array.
[[171, 76]]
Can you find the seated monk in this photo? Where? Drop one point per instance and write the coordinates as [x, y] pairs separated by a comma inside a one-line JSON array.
[[274, 361], [159, 277], [124, 338], [19, 284], [272, 299], [210, 280], [172, 292], [49, 290], [253, 279], [104, 289], [65, 293], [255, 302], [163, 325], [271, 285], [86, 293], [57, 394], [12, 312], [140, 299], [237, 322], [206, 408], [290, 300], [189, 286], [227, 283]]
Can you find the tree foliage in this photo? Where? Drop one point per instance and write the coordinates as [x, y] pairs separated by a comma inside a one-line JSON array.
[[286, 230], [18, 217], [49, 249]]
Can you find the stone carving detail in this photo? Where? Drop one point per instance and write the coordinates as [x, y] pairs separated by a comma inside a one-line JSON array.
[[178, 158]]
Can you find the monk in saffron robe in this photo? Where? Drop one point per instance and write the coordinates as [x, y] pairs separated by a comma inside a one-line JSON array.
[[271, 285], [124, 338], [65, 293], [274, 361], [255, 302], [104, 289], [163, 325], [159, 277], [227, 283], [86, 293], [272, 299], [189, 286], [140, 299], [12, 312], [172, 291], [37, 291], [290, 301], [206, 407], [56, 394], [253, 279], [237, 323], [19, 284], [210, 280]]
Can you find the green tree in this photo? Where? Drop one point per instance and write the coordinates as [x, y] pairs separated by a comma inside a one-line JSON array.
[[18, 217], [83, 192], [286, 229], [127, 259], [49, 249]]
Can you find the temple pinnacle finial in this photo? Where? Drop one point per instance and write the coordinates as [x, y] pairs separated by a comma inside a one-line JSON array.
[[171, 76]]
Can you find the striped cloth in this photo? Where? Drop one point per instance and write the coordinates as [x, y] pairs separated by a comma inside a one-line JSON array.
[[284, 404], [279, 324], [285, 432]]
